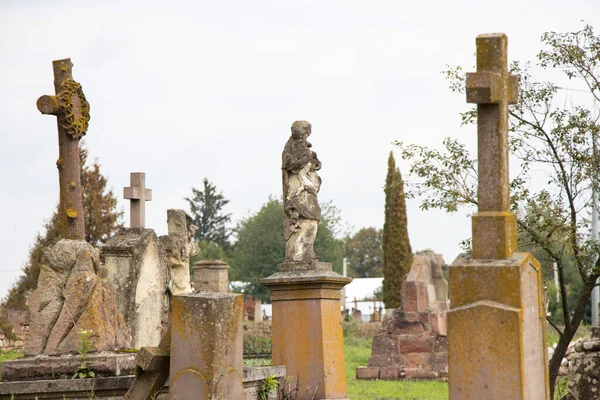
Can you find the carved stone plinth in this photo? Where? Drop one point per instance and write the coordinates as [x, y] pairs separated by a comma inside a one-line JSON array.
[[307, 331], [496, 328]]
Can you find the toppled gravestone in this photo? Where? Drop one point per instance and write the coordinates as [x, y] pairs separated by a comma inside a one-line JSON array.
[[584, 368], [73, 294], [412, 343]]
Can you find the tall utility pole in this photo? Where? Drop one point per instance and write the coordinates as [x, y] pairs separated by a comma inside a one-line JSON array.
[[595, 238]]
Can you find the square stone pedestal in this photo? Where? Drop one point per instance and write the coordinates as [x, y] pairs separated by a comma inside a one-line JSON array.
[[496, 330], [307, 330], [211, 276], [206, 346]]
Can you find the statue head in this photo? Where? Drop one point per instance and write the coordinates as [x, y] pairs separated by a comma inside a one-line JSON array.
[[301, 129]]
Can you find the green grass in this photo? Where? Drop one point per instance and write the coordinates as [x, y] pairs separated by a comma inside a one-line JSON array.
[[357, 352], [10, 355], [552, 335]]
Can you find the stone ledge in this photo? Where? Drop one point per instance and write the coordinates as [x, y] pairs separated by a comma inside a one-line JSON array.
[[49, 367], [367, 373], [114, 387]]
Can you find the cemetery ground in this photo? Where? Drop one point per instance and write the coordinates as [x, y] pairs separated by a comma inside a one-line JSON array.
[[358, 340]]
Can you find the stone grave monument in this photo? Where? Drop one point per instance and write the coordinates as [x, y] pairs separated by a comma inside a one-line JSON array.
[[412, 343], [496, 324], [304, 291], [73, 291], [137, 267]]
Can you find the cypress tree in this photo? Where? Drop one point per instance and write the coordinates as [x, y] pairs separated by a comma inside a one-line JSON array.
[[397, 254]]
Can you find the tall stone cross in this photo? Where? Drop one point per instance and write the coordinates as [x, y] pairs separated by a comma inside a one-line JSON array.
[[496, 291], [139, 195], [493, 89], [73, 114]]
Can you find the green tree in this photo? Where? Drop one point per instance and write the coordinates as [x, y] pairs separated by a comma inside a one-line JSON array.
[[101, 222], [397, 253], [364, 253], [206, 208], [555, 145], [260, 245]]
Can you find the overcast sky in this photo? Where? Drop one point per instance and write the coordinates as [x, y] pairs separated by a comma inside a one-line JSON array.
[[187, 90]]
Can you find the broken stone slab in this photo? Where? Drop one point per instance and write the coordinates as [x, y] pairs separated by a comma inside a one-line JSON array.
[[54, 367], [152, 359], [73, 294], [179, 245]]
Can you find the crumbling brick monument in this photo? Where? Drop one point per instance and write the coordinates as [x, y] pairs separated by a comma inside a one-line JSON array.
[[412, 343]]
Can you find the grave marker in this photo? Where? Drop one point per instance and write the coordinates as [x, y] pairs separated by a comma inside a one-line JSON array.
[[139, 195], [496, 327], [73, 114]]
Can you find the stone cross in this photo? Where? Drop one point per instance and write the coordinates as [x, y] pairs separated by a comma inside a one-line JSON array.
[[493, 89], [73, 114], [139, 195]]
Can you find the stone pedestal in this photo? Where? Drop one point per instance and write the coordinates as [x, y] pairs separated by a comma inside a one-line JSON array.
[[206, 347], [139, 273], [496, 329], [211, 276], [307, 333]]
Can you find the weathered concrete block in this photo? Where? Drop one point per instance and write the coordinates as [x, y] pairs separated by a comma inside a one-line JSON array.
[[211, 276], [367, 373], [206, 346]]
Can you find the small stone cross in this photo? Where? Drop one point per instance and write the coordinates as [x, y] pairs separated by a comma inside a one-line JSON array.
[[139, 195], [493, 89]]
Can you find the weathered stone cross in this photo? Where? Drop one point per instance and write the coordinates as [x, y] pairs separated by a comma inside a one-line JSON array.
[[73, 114], [139, 195], [493, 89]]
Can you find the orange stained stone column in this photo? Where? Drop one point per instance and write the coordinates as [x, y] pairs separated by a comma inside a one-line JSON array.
[[206, 347], [307, 330], [496, 325]]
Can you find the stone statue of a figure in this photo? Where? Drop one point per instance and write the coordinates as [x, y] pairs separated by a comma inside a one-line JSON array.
[[301, 183]]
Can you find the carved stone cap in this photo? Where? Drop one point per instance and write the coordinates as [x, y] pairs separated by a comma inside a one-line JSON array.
[[211, 264]]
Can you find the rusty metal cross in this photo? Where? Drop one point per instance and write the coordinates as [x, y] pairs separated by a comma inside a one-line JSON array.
[[139, 195]]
